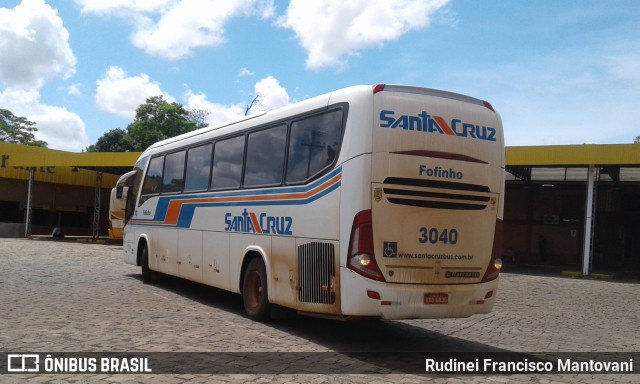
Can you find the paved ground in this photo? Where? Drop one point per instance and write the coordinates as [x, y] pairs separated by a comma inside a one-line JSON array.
[[70, 297]]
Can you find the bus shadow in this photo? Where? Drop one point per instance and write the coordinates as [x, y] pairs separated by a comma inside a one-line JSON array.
[[203, 294], [382, 346]]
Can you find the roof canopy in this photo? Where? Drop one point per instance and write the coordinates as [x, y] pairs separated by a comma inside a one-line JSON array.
[[573, 155], [53, 166], [17, 155]]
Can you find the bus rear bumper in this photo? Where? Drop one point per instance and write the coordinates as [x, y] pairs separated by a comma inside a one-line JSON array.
[[365, 297]]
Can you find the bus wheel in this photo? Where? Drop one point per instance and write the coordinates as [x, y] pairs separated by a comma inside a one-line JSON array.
[[148, 276], [254, 291]]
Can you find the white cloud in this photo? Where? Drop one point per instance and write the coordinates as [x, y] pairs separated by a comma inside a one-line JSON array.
[[218, 113], [272, 95], [57, 126], [172, 29], [331, 30], [75, 90], [34, 46], [244, 72], [121, 95], [113, 6], [34, 49]]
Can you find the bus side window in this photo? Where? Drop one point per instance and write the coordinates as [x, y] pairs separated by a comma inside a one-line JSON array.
[[227, 163], [198, 168], [173, 177], [313, 145], [153, 178], [265, 157]]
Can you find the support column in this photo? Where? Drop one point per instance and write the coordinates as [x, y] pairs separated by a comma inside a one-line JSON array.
[[27, 218], [588, 222], [96, 206]]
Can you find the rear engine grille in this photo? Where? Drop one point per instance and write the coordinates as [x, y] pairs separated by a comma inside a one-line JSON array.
[[436, 194], [316, 273]]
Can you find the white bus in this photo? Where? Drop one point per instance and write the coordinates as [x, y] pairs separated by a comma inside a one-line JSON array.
[[117, 204], [370, 201]]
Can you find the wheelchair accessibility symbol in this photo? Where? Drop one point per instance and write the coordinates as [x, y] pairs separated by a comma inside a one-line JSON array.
[[390, 249]]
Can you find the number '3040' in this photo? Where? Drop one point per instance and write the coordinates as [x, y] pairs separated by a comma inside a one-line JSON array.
[[436, 235]]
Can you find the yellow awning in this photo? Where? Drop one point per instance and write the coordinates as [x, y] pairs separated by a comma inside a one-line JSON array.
[[17, 155], [53, 166], [573, 155]]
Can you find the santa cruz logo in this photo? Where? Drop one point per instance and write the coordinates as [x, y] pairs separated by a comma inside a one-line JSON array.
[[423, 122], [251, 222]]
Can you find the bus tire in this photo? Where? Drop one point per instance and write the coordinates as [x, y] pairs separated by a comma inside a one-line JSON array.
[[254, 291], [148, 276]]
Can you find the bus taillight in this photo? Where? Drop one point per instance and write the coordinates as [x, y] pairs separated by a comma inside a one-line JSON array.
[[496, 261], [361, 256]]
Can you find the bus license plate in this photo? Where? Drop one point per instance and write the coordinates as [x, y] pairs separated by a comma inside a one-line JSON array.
[[436, 298]]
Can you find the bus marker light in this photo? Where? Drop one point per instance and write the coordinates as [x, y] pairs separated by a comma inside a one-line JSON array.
[[488, 105], [373, 294], [378, 88], [486, 296]]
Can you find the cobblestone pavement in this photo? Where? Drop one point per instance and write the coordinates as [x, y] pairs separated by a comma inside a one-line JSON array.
[[72, 297]]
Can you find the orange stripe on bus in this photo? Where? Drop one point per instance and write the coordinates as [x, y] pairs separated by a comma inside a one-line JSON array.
[[174, 207]]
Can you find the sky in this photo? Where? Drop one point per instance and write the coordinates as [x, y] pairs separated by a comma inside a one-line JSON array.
[[557, 71]]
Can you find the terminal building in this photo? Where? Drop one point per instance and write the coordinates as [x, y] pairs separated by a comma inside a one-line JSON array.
[[572, 206], [48, 188]]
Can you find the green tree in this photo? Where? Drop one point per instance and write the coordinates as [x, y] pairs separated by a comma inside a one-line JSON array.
[[636, 140], [116, 140], [199, 116], [19, 130], [157, 119]]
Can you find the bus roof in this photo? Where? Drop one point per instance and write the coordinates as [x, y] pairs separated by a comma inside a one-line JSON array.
[[316, 103]]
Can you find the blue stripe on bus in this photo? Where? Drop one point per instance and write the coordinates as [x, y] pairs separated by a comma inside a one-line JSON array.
[[188, 209]]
